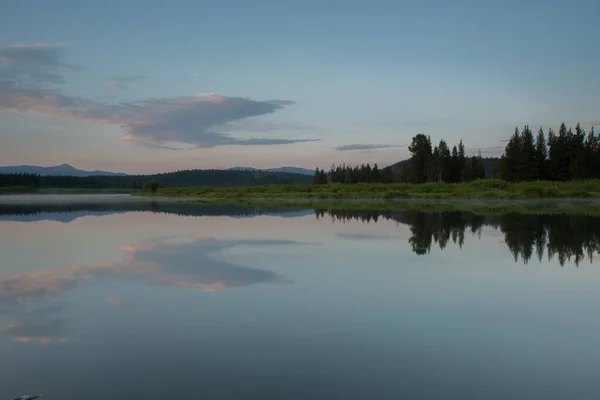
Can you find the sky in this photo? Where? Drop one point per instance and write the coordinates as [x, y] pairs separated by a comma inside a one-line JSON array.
[[146, 86]]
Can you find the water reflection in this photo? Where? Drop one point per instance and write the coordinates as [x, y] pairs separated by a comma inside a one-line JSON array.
[[175, 262], [68, 212], [567, 237]]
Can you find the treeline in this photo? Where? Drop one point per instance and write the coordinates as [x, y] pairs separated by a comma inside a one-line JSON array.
[[427, 164], [564, 156], [439, 164], [347, 174], [184, 178], [564, 236]]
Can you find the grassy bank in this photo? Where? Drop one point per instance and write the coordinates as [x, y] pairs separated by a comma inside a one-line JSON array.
[[489, 188], [32, 190]]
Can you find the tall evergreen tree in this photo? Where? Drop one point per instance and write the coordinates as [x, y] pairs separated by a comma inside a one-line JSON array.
[[421, 151], [445, 161], [552, 164], [593, 144], [464, 175], [528, 170], [577, 159], [317, 177], [541, 154], [511, 160], [375, 175], [563, 144], [455, 168], [559, 154], [436, 173], [477, 169]]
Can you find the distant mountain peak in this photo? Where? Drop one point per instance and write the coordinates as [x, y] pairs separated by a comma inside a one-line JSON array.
[[57, 170]]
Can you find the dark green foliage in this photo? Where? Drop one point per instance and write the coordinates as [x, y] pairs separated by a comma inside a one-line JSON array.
[[421, 159], [541, 155], [510, 169], [563, 157], [463, 171], [347, 174], [528, 169], [320, 177], [577, 161], [184, 178], [445, 161], [476, 169], [425, 165]]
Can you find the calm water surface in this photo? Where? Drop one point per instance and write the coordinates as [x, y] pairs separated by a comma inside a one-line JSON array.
[[151, 300]]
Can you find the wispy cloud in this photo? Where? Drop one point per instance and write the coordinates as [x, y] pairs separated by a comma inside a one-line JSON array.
[[33, 64], [595, 122], [365, 146], [122, 82], [194, 120], [27, 73]]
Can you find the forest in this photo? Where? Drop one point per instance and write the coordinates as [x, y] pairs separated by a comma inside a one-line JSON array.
[[184, 178], [563, 156], [426, 164]]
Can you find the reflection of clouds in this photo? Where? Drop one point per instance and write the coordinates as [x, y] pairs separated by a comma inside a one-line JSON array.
[[117, 301], [45, 332], [174, 262]]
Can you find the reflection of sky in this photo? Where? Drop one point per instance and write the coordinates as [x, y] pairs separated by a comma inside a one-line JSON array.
[[128, 293]]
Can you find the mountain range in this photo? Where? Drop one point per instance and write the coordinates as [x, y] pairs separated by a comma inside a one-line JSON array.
[[57, 170], [68, 170]]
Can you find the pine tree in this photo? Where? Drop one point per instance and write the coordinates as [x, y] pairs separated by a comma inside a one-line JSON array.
[[511, 160], [594, 153], [541, 154], [577, 159], [421, 158], [559, 154], [375, 176], [528, 168], [455, 166], [435, 165], [552, 165], [477, 167], [463, 175], [445, 161]]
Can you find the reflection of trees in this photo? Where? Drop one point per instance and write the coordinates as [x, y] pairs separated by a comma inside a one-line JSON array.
[[181, 209], [568, 237]]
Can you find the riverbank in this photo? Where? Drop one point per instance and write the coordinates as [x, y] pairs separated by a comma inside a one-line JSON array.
[[489, 188]]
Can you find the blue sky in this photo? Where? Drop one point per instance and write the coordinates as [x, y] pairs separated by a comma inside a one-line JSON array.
[[148, 86]]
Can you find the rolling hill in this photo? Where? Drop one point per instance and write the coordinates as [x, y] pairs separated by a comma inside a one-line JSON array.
[[57, 170]]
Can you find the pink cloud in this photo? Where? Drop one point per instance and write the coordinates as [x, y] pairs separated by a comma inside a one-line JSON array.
[[194, 120]]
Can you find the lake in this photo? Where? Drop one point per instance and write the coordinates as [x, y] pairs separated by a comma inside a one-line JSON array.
[[123, 298]]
